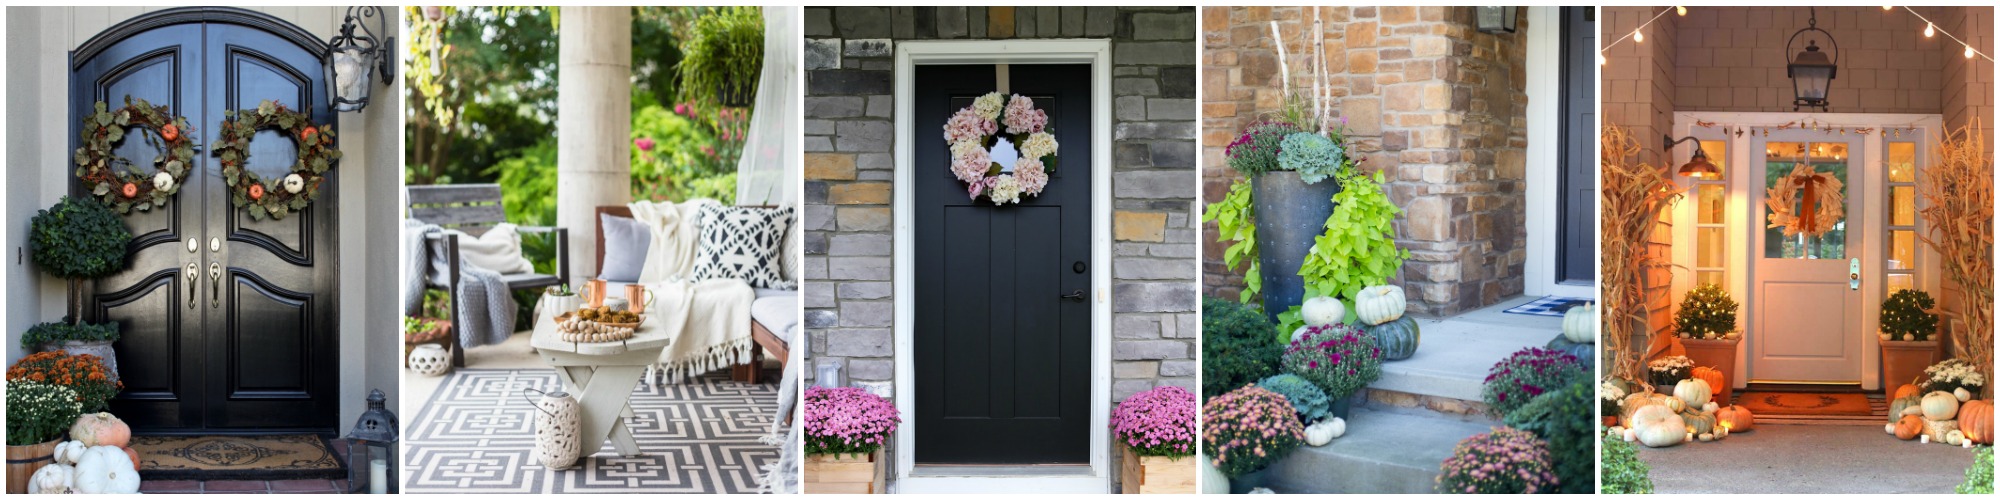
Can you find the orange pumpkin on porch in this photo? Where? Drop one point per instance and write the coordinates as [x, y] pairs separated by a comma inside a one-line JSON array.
[[1906, 390], [1975, 418], [1909, 427], [1714, 379]]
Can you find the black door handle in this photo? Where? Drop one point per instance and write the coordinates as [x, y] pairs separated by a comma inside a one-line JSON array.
[[1076, 295]]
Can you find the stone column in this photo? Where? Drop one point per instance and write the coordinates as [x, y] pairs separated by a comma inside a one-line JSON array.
[[593, 154]]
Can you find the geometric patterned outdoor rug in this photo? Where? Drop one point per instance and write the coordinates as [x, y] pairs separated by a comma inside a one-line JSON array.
[[1547, 306], [477, 435], [292, 456]]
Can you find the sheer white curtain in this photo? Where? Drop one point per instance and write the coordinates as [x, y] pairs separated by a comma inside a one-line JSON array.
[[769, 171]]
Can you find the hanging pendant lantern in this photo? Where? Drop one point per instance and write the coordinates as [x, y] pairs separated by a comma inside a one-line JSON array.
[[1812, 72]]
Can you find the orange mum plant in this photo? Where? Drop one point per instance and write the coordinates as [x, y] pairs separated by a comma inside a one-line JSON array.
[[83, 373]]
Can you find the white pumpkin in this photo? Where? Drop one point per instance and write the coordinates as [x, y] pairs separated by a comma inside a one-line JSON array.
[[164, 181], [1694, 392], [294, 183], [1658, 426], [1325, 431], [1961, 394], [68, 452], [1213, 482], [106, 469], [1954, 437], [1580, 324], [1319, 311], [1616, 431], [51, 479], [1706, 437], [1889, 428], [1940, 405], [1711, 407], [1380, 304]]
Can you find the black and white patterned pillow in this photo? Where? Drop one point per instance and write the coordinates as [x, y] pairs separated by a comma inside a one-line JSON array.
[[743, 243]]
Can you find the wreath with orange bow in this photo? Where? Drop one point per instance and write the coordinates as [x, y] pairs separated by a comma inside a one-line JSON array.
[[278, 197], [1820, 207]]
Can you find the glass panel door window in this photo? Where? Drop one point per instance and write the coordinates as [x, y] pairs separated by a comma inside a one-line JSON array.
[[1901, 268], [1711, 233], [1780, 158]]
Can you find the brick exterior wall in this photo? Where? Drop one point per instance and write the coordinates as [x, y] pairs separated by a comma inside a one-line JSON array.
[[1436, 105], [849, 129]]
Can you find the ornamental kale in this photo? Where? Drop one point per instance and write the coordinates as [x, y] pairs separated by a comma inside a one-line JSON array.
[[1528, 373], [1313, 156], [1156, 423], [1310, 403], [1247, 429], [1340, 358], [1503, 461], [847, 420]]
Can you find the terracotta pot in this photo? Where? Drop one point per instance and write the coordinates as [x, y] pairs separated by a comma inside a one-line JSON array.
[[1720, 354], [23, 461], [1904, 360], [1137, 474], [848, 474]]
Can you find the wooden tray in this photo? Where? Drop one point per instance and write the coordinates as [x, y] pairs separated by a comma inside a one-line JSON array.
[[565, 317]]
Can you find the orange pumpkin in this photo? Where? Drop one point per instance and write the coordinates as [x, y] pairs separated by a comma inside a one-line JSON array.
[[1736, 417], [100, 429], [135, 457], [1975, 418], [170, 132], [1909, 427], [1907, 390], [1716, 383]]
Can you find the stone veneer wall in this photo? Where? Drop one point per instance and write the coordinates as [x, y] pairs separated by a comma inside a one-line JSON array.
[[849, 131], [1436, 105]]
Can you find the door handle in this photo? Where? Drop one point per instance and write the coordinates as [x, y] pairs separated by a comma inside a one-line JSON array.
[[1076, 295], [193, 280], [215, 284]]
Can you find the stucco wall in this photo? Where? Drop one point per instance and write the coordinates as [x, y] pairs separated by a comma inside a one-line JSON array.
[[38, 43]]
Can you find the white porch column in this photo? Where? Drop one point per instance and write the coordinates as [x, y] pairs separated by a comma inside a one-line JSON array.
[[594, 126]]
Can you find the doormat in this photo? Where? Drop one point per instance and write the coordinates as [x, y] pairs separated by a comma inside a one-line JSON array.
[[1812, 408], [477, 435], [288, 456], [1548, 305]]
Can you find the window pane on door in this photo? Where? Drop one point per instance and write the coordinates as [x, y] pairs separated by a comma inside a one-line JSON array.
[[1900, 282], [1903, 206], [1902, 162], [1712, 203], [1902, 250], [1709, 247], [1718, 154], [1827, 158], [1709, 278]]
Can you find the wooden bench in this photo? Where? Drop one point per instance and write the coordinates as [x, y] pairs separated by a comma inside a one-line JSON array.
[[475, 209], [762, 336]]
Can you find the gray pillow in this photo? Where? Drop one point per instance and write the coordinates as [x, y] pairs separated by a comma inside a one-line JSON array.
[[625, 243]]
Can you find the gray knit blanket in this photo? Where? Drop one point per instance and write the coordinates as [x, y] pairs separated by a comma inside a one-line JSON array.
[[484, 305]]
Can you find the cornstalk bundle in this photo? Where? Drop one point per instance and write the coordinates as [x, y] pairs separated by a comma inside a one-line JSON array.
[[1631, 198], [1959, 189]]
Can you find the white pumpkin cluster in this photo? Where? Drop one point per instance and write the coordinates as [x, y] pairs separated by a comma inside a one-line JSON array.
[[86, 469]]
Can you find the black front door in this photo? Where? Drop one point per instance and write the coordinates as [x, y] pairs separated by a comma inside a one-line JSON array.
[[1003, 367], [1576, 263], [229, 324]]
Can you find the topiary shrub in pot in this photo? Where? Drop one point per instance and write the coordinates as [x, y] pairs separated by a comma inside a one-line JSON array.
[[1308, 401], [1520, 457], [1339, 358], [1906, 316], [1706, 312], [78, 239], [1236, 347], [1528, 373], [1245, 430], [1562, 418]]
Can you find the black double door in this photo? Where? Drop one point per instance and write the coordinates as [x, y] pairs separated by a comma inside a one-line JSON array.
[[229, 324], [1002, 358]]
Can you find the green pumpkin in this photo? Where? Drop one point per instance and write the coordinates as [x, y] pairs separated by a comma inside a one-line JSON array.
[[1896, 406], [1699, 422], [1586, 353], [1397, 338]]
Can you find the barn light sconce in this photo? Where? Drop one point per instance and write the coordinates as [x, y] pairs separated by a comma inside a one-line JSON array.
[[1697, 166], [1811, 71], [351, 59], [1497, 20]]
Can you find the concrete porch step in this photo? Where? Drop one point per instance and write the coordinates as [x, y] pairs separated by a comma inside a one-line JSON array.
[[1455, 353], [1384, 451]]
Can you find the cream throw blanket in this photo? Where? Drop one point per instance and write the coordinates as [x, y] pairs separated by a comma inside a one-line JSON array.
[[712, 316]]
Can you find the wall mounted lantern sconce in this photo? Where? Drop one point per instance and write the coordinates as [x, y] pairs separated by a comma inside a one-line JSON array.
[[351, 59], [1697, 166]]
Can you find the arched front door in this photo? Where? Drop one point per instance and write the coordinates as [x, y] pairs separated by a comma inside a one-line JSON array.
[[228, 323]]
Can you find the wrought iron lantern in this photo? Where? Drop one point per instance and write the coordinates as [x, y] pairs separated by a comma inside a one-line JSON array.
[[352, 59], [371, 449], [1497, 20], [1698, 165], [1812, 72]]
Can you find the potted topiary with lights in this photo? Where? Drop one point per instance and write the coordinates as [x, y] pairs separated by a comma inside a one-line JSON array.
[[1706, 324], [1908, 333]]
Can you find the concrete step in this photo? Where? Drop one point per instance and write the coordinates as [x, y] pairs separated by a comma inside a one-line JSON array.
[[1384, 451], [1455, 353]]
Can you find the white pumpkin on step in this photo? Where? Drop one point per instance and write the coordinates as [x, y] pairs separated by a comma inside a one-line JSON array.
[[1580, 324], [1325, 431], [1380, 304], [1319, 311]]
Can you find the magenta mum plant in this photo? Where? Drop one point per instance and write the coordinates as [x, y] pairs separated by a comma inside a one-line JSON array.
[[1503, 461], [1528, 373], [1247, 429], [1156, 423], [1339, 358], [847, 420]]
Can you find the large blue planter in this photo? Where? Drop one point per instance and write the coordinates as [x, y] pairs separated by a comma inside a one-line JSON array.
[[1290, 213]]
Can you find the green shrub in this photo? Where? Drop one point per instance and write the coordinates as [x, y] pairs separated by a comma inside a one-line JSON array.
[[1907, 312], [78, 238], [723, 55], [64, 331], [1236, 346], [1310, 403], [1979, 477], [1563, 419], [1706, 312], [1623, 472]]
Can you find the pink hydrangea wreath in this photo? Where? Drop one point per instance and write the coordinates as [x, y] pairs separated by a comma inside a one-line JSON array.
[[972, 131]]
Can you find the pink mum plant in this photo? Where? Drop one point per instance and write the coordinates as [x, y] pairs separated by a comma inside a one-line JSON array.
[[847, 420], [1159, 422]]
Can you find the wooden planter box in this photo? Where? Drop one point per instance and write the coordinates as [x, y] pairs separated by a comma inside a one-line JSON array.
[[849, 474], [23, 461], [1720, 354], [1138, 474], [1904, 360]]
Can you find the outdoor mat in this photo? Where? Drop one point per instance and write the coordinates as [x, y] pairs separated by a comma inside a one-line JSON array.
[[1809, 408], [477, 435], [1548, 305], [287, 456]]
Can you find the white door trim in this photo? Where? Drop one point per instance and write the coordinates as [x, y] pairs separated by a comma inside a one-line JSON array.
[[1096, 53], [1544, 156], [1873, 204]]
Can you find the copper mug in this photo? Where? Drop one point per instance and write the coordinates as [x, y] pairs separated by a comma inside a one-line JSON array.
[[593, 293], [638, 298]]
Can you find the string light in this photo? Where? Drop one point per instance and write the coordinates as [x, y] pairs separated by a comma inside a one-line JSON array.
[[1888, 7], [1930, 30], [1968, 52], [1682, 10], [1636, 36]]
